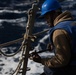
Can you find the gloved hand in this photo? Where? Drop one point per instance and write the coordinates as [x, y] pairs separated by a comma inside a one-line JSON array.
[[50, 47], [35, 57]]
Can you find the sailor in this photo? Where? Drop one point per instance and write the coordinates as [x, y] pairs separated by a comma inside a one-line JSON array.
[[62, 37]]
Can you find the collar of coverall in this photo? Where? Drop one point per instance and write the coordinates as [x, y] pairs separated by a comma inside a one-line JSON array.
[[66, 15]]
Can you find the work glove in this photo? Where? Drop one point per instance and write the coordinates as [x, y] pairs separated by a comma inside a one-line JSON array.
[[35, 57], [50, 47]]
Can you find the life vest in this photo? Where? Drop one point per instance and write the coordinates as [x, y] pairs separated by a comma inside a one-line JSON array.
[[70, 28]]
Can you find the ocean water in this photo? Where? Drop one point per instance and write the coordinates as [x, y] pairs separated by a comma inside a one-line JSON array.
[[13, 19]]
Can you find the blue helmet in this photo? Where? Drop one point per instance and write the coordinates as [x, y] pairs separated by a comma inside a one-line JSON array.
[[48, 6]]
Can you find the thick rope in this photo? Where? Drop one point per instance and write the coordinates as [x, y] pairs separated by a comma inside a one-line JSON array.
[[18, 67], [21, 60], [21, 47], [11, 42], [20, 39], [10, 55]]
